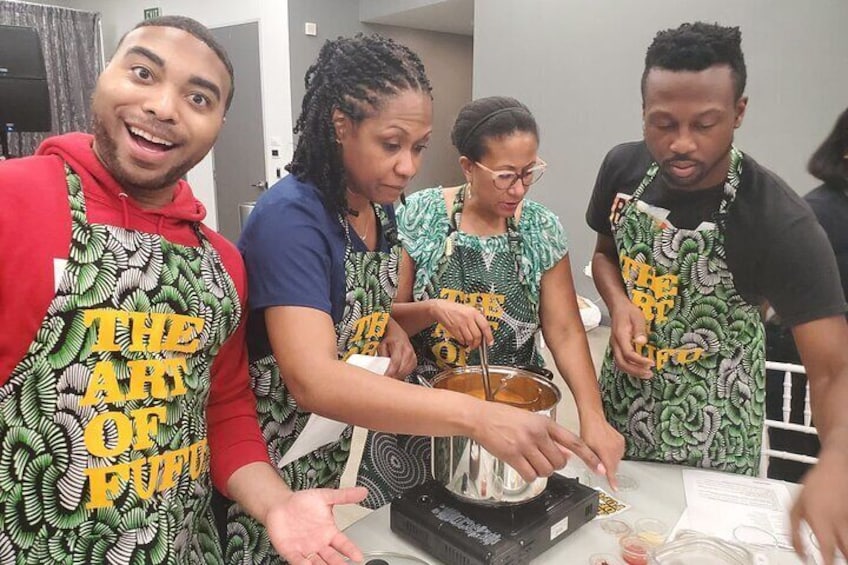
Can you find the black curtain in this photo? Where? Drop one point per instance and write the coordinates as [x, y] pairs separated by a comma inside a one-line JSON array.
[[70, 40]]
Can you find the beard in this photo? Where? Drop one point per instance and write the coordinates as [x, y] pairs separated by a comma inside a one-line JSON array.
[[702, 172], [673, 181], [107, 152]]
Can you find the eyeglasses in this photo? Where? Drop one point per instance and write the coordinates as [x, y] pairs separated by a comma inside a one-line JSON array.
[[504, 180]]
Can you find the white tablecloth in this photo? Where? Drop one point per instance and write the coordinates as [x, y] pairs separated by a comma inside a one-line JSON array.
[[659, 494]]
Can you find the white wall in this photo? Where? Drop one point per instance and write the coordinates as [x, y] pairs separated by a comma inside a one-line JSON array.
[[577, 64], [372, 9], [447, 57], [120, 16]]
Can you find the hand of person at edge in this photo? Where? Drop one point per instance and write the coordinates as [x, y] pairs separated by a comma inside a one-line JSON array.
[[396, 346], [604, 440], [303, 531], [823, 505], [532, 444], [464, 323], [628, 331]]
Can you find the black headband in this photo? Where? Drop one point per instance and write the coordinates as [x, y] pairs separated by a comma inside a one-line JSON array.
[[485, 119]]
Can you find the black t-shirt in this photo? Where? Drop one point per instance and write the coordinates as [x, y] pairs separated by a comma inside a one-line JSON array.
[[830, 204], [776, 250]]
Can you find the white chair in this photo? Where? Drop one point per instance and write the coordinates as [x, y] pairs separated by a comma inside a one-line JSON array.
[[788, 369]]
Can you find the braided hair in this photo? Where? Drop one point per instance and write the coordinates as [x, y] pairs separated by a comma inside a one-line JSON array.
[[354, 75]]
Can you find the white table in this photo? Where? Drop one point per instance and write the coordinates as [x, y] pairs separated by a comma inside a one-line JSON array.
[[659, 494]]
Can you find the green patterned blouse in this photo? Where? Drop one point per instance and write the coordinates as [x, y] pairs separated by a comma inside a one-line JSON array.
[[507, 266]]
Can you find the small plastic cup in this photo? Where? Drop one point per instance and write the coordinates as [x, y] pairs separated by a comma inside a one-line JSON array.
[[615, 527], [634, 550], [626, 483], [652, 531], [754, 535], [584, 475], [604, 559]]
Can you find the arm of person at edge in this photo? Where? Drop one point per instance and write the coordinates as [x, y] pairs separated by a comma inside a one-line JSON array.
[[304, 344], [565, 336], [628, 322], [464, 323], [396, 346], [822, 502], [298, 524]]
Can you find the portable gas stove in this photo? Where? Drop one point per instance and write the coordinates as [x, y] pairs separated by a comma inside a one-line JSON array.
[[464, 533]]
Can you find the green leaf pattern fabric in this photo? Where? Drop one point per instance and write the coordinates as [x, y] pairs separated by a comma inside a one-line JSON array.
[[424, 225], [44, 417], [707, 412], [510, 265], [371, 280]]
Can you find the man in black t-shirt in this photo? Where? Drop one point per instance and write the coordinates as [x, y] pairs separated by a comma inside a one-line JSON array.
[[693, 238], [775, 248]]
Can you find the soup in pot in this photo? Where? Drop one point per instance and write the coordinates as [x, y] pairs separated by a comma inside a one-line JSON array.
[[508, 387], [503, 396]]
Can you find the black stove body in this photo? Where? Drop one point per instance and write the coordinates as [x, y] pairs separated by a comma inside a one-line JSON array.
[[463, 533]]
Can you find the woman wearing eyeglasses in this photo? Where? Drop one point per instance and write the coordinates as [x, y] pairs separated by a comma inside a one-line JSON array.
[[485, 263]]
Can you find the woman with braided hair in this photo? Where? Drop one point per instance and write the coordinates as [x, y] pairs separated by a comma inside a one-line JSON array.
[[323, 260]]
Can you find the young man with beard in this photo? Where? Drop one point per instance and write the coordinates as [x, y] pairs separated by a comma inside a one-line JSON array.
[[693, 237], [123, 363]]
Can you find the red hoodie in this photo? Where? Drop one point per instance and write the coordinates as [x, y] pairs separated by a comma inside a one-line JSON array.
[[35, 229]]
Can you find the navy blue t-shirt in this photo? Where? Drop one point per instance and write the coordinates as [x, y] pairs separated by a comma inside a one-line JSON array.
[[294, 251]]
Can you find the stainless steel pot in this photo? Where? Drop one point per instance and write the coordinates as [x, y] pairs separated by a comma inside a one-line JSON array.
[[461, 464]]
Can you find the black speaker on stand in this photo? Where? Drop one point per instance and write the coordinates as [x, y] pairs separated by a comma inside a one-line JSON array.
[[24, 96]]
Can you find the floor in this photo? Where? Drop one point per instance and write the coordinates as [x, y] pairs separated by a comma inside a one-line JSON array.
[[566, 415]]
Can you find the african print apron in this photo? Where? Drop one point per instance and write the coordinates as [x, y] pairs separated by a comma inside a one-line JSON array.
[[103, 422], [704, 405], [484, 272], [370, 288]]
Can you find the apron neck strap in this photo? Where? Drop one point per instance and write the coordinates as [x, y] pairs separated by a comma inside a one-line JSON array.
[[731, 183], [388, 229], [455, 218]]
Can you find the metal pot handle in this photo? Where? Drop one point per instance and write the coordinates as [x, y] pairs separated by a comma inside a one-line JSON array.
[[538, 370], [422, 381]]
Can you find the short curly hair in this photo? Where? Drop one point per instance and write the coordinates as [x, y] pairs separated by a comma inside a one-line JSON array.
[[695, 47]]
